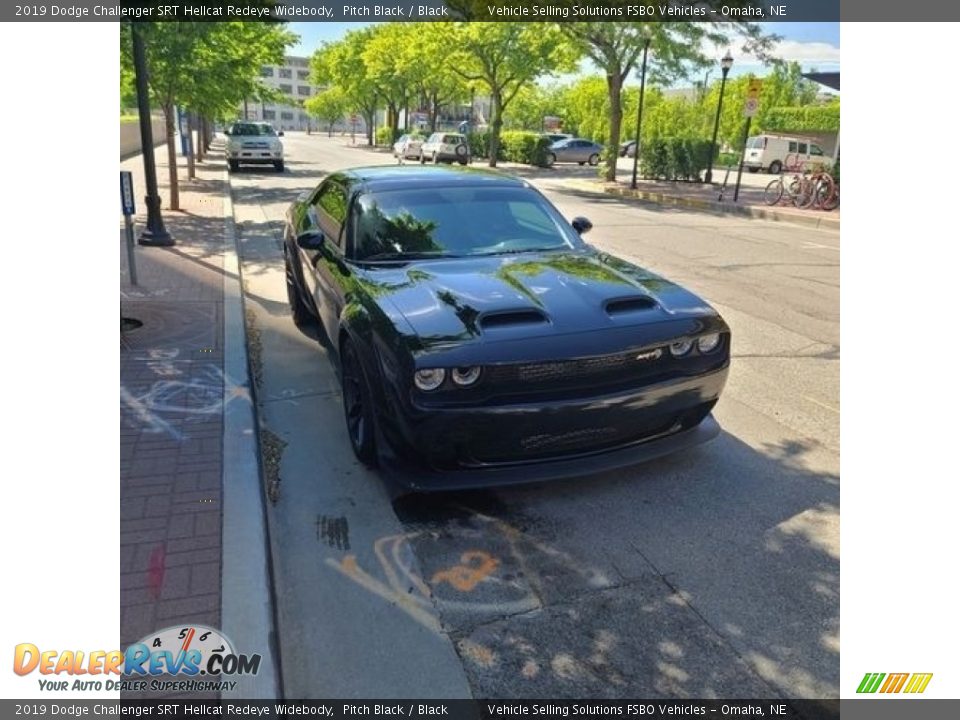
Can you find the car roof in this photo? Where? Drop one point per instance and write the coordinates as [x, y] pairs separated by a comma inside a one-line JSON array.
[[397, 177]]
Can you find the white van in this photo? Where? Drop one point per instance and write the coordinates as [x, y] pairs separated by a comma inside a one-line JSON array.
[[770, 153]]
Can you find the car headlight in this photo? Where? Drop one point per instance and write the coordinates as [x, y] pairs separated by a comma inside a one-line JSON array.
[[464, 376], [429, 378], [681, 347], [708, 343]]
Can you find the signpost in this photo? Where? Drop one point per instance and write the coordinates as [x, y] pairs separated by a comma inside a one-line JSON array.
[[750, 107], [128, 208]]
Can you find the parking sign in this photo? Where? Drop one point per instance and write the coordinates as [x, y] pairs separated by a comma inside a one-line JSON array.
[[126, 193]]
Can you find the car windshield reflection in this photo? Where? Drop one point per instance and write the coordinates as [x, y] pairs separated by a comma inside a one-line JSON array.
[[457, 222]]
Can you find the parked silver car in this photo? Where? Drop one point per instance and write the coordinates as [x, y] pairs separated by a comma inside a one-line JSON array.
[[575, 150], [445, 147], [408, 147]]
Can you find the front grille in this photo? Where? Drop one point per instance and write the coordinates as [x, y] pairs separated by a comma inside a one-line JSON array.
[[598, 371], [255, 145]]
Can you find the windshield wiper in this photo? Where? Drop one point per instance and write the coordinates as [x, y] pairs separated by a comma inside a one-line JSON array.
[[407, 256], [518, 251]]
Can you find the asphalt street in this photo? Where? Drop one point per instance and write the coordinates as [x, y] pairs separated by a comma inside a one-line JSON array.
[[710, 574]]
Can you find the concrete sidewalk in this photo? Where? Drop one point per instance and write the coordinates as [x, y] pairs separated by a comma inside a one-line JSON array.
[[180, 392]]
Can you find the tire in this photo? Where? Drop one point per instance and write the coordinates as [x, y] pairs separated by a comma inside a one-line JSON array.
[[594, 160], [462, 161], [550, 159], [832, 202], [753, 170], [278, 166], [301, 312], [233, 165], [357, 406], [775, 167], [773, 192], [422, 158]]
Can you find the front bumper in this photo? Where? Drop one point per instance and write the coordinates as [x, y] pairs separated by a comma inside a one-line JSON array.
[[255, 156], [463, 448]]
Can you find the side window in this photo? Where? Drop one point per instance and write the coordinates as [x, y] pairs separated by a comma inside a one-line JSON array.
[[803, 149], [792, 147], [330, 211], [815, 150]]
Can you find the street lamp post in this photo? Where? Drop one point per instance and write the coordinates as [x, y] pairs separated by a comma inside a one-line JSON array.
[[643, 83], [725, 64], [154, 233]]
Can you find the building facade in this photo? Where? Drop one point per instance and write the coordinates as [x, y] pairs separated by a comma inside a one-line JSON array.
[[293, 80]]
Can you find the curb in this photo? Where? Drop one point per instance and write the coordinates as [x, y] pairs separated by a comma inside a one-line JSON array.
[[826, 223], [247, 611]]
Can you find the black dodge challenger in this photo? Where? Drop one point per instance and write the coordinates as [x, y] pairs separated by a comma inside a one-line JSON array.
[[481, 341]]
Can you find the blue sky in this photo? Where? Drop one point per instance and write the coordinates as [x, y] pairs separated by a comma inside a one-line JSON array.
[[813, 45]]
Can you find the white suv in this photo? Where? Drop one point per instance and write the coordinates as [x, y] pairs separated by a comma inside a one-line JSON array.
[[445, 147], [256, 143]]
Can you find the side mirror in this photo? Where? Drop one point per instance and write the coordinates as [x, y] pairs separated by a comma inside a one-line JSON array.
[[280, 134], [310, 240], [581, 225]]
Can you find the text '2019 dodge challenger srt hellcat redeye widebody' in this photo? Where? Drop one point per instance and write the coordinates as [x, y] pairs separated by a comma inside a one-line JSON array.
[[481, 341]]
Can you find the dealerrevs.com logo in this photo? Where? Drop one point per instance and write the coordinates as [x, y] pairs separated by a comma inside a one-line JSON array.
[[911, 683], [192, 658]]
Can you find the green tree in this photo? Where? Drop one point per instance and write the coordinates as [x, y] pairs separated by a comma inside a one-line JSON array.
[[328, 107], [504, 57], [208, 67], [341, 65], [674, 51]]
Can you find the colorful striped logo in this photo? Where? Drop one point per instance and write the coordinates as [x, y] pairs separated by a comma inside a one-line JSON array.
[[894, 682]]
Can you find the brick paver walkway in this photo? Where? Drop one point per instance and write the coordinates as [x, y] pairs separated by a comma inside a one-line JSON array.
[[171, 413]]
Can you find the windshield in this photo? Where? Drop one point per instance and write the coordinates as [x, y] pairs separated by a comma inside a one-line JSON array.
[[244, 129], [756, 143], [457, 222]]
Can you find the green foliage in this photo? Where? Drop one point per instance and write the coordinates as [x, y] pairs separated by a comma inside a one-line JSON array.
[[479, 141], [674, 158], [501, 58], [387, 135], [525, 147], [328, 106], [821, 118]]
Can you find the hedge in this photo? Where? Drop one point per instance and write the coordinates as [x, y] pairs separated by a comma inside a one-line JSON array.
[[519, 146], [815, 118], [674, 158]]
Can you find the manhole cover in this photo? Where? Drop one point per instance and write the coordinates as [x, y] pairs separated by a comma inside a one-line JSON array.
[[182, 325]]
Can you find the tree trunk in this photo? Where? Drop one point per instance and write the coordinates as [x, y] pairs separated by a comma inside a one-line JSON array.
[[172, 157], [434, 110], [496, 123], [191, 166], [615, 91], [200, 123]]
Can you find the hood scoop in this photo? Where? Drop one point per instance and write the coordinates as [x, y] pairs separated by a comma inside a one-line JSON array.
[[511, 318], [625, 305]]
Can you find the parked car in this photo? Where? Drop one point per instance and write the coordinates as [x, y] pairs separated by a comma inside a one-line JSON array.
[[575, 150], [772, 152], [253, 143], [408, 146], [628, 148], [481, 341], [445, 147]]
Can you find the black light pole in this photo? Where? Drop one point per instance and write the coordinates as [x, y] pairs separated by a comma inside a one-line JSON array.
[[725, 64], [643, 83], [154, 233]]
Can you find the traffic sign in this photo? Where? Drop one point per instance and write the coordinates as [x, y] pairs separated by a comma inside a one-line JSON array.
[[126, 193], [752, 103]]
